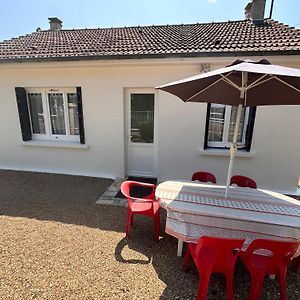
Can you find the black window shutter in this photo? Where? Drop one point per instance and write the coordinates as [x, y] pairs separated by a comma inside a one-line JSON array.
[[80, 115], [250, 127], [23, 113], [206, 126]]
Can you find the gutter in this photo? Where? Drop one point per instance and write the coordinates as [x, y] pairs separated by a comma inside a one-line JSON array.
[[151, 56]]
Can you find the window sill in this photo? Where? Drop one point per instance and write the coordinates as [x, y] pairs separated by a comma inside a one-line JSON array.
[[55, 144], [226, 152]]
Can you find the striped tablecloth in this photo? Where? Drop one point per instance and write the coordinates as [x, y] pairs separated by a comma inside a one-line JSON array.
[[195, 210]]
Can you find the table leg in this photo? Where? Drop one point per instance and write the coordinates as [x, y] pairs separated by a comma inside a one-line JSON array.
[[179, 247]]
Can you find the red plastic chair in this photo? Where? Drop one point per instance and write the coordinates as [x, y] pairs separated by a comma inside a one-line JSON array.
[[147, 205], [210, 255], [204, 177], [243, 181], [261, 265]]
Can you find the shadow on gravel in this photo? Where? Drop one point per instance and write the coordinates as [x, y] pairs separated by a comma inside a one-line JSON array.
[[61, 198], [133, 246], [162, 256]]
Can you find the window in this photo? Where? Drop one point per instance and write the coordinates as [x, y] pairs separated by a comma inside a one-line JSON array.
[[52, 114], [220, 124], [142, 118]]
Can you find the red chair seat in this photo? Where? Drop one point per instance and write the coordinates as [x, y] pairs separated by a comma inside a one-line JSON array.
[[147, 205], [145, 208]]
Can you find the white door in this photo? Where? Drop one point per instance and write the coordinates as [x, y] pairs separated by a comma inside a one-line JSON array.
[[140, 133]]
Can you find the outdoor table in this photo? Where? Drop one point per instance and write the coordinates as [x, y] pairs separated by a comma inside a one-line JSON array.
[[195, 210]]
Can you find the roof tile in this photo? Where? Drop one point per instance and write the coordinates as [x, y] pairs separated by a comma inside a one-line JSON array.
[[237, 37]]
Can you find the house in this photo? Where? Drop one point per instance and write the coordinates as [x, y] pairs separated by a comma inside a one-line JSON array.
[[82, 101]]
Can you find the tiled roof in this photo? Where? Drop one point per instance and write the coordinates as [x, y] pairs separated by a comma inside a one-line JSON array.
[[230, 38]]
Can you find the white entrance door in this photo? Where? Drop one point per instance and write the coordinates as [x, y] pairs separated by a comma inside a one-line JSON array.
[[140, 132]]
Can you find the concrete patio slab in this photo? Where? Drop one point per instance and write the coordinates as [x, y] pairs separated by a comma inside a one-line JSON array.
[[109, 196]]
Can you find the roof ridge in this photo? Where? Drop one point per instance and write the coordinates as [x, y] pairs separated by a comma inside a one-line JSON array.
[[165, 25], [146, 26], [143, 26]]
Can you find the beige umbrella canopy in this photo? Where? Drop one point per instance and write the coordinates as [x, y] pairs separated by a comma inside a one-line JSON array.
[[243, 83]]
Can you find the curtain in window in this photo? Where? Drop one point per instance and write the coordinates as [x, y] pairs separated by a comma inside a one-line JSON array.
[[233, 116], [57, 114], [37, 114], [73, 113], [216, 123]]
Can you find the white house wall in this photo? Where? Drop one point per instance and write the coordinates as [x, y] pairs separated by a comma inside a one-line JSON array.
[[274, 160]]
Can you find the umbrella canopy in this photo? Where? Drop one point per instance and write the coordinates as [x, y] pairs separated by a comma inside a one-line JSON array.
[[266, 84], [243, 83]]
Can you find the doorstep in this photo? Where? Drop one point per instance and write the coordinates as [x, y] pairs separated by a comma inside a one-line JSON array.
[[109, 196]]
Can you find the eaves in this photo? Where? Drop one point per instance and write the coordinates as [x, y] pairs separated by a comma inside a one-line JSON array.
[[151, 56]]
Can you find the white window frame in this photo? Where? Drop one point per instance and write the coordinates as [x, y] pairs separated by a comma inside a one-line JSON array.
[[225, 143], [48, 136]]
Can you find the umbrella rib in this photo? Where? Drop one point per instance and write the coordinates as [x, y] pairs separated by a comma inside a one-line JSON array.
[[224, 78], [230, 82], [258, 81], [289, 85], [195, 95]]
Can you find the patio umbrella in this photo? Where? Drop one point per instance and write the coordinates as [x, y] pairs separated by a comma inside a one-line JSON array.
[[243, 83]]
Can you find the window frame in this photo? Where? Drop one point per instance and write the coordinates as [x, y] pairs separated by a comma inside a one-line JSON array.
[[247, 129], [48, 135]]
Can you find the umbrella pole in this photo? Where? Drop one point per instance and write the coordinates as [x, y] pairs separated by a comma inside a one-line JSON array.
[[233, 147]]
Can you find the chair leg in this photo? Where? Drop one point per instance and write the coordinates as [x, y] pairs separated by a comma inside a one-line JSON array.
[[229, 284], [204, 283], [156, 226], [295, 263], [129, 220], [282, 284], [256, 285], [186, 258]]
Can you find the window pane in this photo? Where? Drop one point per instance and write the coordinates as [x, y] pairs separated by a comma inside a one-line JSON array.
[[142, 118], [73, 113], [216, 123], [36, 113], [57, 114], [232, 124]]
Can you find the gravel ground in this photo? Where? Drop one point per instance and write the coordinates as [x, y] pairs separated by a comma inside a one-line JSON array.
[[56, 243]]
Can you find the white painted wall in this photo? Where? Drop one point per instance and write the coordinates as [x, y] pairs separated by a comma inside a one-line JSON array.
[[275, 163]]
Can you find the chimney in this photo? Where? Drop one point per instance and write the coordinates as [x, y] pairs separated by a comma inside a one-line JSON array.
[[55, 23], [255, 10]]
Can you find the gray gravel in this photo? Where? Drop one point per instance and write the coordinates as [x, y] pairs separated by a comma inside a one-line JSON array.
[[56, 243]]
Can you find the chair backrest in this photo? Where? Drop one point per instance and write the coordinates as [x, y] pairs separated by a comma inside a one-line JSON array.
[[204, 177], [277, 253], [225, 251], [127, 187], [243, 181]]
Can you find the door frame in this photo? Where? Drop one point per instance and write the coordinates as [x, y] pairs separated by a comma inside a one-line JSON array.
[[127, 118]]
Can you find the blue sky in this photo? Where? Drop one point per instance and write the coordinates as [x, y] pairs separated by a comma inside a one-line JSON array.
[[19, 17]]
